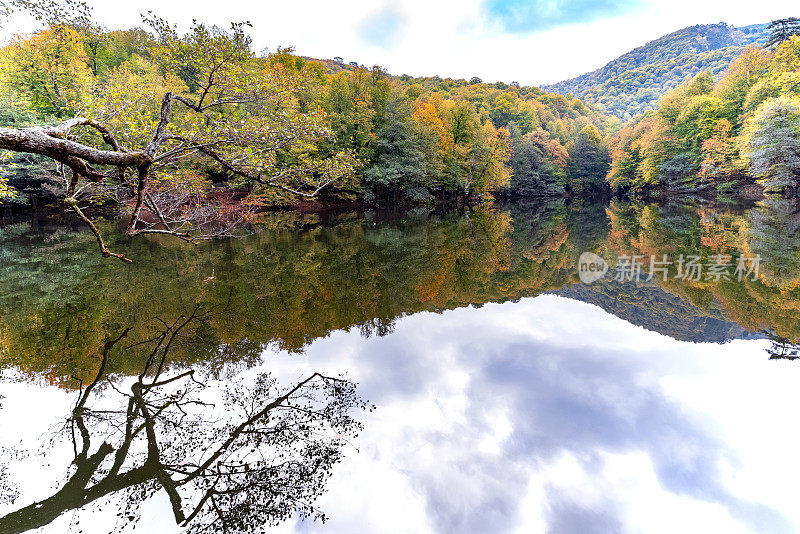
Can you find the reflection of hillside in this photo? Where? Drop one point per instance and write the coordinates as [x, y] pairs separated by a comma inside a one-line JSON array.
[[299, 279], [289, 284], [768, 229], [772, 230], [657, 310]]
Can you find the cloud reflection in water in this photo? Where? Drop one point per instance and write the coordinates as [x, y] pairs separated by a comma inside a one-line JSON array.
[[552, 415], [549, 415]]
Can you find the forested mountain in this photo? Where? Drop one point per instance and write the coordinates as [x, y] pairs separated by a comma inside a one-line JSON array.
[[738, 132], [635, 81]]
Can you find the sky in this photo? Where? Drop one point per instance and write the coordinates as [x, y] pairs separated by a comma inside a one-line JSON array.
[[544, 415], [532, 42]]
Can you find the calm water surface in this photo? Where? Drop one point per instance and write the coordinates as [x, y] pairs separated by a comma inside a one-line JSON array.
[[508, 396]]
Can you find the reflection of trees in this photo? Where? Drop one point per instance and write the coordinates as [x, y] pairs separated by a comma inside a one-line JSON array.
[[229, 461], [299, 280], [773, 233], [657, 229], [782, 348], [698, 229], [283, 285]]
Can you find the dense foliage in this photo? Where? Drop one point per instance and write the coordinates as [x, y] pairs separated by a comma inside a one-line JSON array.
[[633, 83], [359, 132], [707, 135]]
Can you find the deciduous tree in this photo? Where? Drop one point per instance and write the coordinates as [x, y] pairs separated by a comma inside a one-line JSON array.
[[233, 111], [773, 144]]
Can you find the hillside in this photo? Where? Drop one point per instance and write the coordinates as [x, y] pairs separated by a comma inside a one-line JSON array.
[[635, 81]]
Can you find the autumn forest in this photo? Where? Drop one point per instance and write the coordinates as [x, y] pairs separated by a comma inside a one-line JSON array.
[[240, 131], [218, 259]]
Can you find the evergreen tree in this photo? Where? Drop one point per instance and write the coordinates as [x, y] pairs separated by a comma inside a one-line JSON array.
[[781, 30]]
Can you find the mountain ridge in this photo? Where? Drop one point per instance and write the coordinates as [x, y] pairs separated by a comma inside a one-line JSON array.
[[633, 82]]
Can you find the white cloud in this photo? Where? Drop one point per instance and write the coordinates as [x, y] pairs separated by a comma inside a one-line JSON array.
[[450, 38]]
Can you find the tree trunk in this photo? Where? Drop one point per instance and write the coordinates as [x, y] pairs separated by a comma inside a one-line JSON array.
[[72, 496]]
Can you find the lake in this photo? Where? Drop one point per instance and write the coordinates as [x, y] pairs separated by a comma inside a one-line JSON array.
[[524, 367]]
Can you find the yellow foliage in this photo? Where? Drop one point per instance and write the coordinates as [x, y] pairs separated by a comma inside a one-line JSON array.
[[49, 69]]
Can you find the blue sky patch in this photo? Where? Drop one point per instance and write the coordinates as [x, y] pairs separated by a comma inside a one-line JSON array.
[[529, 16], [383, 28]]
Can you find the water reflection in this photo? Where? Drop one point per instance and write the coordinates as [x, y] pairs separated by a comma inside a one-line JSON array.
[[299, 280], [772, 230], [229, 459], [623, 407], [550, 415], [782, 349]]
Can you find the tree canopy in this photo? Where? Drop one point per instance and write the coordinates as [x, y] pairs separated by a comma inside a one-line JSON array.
[[189, 133], [718, 135], [129, 136]]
